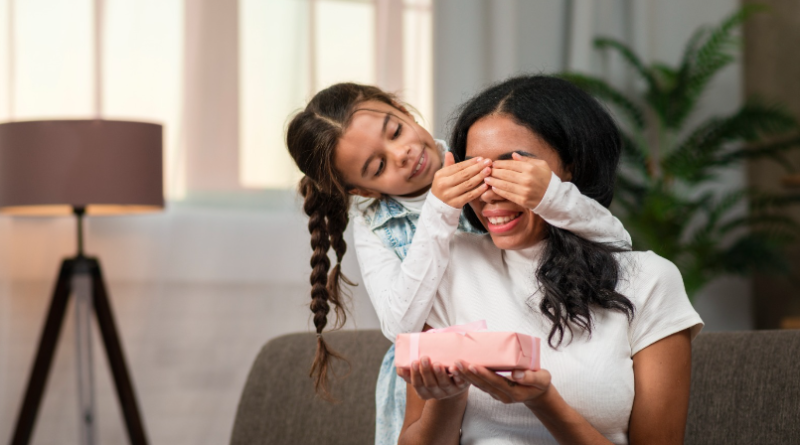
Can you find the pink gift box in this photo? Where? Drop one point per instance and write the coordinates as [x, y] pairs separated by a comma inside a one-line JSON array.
[[498, 351]]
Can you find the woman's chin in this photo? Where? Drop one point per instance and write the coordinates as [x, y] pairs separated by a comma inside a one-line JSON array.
[[508, 242]]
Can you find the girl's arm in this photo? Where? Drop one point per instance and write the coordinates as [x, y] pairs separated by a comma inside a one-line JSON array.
[[562, 205], [662, 374], [402, 292]]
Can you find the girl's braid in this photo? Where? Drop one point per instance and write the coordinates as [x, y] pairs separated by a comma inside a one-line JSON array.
[[317, 207]]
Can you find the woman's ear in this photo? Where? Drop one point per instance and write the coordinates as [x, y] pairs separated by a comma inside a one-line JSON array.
[[366, 193], [567, 174]]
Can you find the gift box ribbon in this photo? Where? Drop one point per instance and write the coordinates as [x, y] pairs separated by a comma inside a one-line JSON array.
[[463, 329]]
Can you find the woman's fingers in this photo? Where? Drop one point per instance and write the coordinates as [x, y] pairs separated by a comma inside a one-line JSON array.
[[431, 380], [489, 382], [538, 379]]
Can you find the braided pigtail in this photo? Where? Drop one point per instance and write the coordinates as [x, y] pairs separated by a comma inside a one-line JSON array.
[[337, 223], [325, 289]]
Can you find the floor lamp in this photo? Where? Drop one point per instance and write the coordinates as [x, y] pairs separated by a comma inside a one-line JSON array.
[[80, 167]]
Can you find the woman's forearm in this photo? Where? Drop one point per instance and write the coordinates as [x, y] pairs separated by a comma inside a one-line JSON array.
[[438, 424], [565, 424]]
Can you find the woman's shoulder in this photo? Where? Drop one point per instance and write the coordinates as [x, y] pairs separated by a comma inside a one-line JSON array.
[[645, 261], [645, 270]]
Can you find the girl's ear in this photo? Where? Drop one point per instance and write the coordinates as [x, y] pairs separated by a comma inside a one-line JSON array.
[[366, 193]]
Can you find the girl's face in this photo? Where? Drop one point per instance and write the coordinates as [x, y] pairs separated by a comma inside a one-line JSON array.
[[496, 137], [384, 152]]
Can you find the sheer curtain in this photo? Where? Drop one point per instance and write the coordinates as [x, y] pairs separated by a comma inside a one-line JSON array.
[[199, 287]]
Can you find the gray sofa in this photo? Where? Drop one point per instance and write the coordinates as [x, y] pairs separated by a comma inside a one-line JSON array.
[[745, 390]]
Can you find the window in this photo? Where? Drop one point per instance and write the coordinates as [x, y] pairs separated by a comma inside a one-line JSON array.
[[287, 51], [290, 49]]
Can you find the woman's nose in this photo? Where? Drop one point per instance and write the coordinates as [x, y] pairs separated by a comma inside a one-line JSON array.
[[489, 197]]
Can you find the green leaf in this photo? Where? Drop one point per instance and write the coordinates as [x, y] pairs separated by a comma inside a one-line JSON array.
[[707, 52], [762, 151], [601, 90], [703, 149], [631, 57]]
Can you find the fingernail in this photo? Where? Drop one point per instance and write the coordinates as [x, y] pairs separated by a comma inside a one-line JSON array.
[[518, 374], [478, 159], [487, 180], [460, 366], [415, 366], [472, 369], [487, 161]]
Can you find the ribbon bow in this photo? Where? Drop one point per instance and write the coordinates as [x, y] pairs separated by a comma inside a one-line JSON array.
[[463, 329]]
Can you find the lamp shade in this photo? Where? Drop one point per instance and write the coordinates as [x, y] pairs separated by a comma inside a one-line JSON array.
[[107, 167]]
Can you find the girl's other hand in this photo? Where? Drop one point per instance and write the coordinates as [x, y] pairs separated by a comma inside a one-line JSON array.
[[431, 380], [458, 184], [523, 180], [526, 387]]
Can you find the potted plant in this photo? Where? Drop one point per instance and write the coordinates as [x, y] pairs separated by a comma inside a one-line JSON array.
[[665, 194]]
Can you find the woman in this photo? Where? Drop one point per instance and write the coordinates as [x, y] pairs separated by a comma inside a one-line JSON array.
[[618, 324]]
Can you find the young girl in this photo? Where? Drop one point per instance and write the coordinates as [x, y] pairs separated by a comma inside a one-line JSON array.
[[356, 140]]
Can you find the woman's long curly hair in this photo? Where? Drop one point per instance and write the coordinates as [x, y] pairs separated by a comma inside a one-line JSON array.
[[575, 275], [311, 138]]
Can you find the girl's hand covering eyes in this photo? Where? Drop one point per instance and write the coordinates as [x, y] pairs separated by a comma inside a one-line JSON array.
[[522, 180], [526, 387], [431, 380], [458, 184]]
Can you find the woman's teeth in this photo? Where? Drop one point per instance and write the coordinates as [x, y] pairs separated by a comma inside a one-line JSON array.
[[419, 164], [499, 220]]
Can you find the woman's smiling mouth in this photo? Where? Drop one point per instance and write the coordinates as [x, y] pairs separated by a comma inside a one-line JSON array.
[[500, 222]]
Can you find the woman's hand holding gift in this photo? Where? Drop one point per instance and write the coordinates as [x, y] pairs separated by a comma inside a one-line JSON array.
[[458, 184], [432, 381], [526, 387], [523, 180]]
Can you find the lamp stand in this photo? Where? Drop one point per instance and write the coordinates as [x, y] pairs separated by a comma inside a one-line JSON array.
[[80, 267]]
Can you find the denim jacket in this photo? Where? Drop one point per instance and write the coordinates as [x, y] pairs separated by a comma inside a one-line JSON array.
[[395, 225]]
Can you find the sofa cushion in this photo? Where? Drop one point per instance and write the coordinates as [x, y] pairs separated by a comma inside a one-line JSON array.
[[279, 406], [745, 388]]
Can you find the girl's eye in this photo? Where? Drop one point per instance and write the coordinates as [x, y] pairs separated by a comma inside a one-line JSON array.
[[398, 131], [380, 168]]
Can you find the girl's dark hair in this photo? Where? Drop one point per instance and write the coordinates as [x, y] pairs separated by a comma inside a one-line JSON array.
[[312, 137], [575, 274]]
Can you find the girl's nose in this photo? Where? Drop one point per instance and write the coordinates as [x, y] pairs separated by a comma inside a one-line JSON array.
[[401, 155]]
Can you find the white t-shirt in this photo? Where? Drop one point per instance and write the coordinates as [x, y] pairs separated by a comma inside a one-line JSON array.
[[593, 375]]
